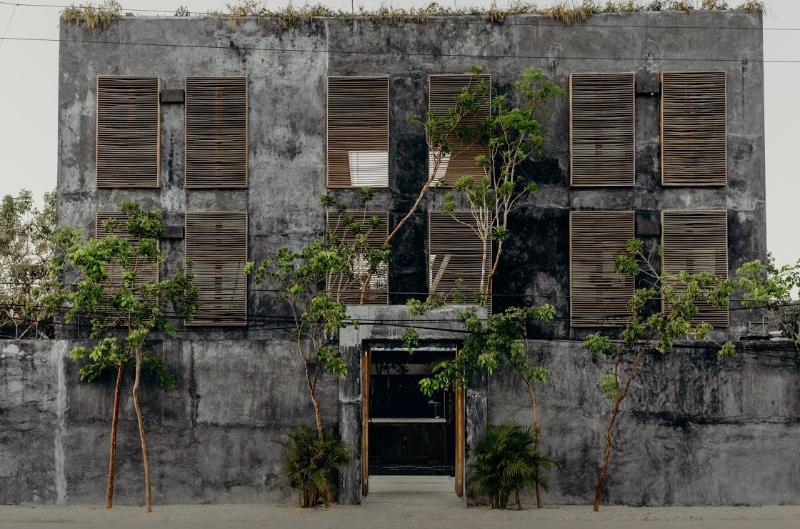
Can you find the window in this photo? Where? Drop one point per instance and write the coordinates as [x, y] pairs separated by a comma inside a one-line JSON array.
[[127, 141], [216, 132], [454, 258], [358, 131], [693, 129], [602, 129], [110, 223], [694, 242], [216, 252], [442, 91], [599, 295], [349, 287]]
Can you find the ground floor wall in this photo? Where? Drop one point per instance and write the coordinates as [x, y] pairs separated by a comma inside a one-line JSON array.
[[697, 431]]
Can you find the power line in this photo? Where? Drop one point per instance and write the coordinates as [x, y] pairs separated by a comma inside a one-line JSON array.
[[5, 32], [461, 19], [402, 53]]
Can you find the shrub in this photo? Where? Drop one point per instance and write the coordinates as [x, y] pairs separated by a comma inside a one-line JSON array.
[[312, 467], [506, 462]]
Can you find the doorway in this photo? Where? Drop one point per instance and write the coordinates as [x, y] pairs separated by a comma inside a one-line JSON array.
[[406, 433]]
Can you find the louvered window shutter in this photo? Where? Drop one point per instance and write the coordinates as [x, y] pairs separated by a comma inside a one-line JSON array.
[[442, 91], [146, 271], [358, 132], [602, 129], [348, 287], [599, 295], [127, 142], [216, 252], [454, 257], [695, 242], [693, 129], [216, 132]]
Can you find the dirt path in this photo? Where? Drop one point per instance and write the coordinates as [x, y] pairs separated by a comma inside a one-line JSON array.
[[397, 514]]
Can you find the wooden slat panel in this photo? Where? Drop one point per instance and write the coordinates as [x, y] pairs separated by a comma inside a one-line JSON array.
[[216, 132], [694, 242], [127, 142], [602, 129], [216, 247], [146, 271], [693, 129], [442, 91], [454, 256], [599, 295], [378, 293], [358, 132]]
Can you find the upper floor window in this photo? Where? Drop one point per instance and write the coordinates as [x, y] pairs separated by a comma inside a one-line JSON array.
[[602, 129], [358, 132], [693, 129], [216, 132], [128, 141], [457, 267]]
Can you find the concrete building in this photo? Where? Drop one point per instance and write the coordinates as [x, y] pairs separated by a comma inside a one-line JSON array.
[[693, 426]]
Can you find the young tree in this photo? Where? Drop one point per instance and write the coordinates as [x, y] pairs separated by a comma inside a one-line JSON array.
[[514, 133], [646, 331], [770, 286], [124, 306], [312, 282], [25, 251], [499, 339], [446, 135]]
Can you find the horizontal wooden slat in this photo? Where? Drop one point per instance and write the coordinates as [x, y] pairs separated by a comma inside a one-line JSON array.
[[216, 132], [349, 287], [693, 129], [599, 295], [358, 132], [602, 129], [127, 141], [146, 271], [454, 257], [442, 91], [216, 252], [695, 242]]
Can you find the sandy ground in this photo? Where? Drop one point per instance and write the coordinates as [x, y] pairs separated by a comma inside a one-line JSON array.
[[412, 512]]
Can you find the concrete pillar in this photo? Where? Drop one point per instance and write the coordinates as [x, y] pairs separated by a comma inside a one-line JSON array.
[[476, 411], [349, 415]]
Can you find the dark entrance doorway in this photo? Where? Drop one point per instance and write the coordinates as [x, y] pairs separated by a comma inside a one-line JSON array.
[[409, 433]]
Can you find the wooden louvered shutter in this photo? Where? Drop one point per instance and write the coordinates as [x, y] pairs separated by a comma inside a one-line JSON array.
[[454, 257], [693, 129], [602, 129], [216, 252], [442, 91], [146, 271], [348, 288], [599, 295], [128, 142], [358, 131], [695, 242], [216, 132]]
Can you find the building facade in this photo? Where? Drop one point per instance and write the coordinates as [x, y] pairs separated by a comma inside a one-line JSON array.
[[235, 130]]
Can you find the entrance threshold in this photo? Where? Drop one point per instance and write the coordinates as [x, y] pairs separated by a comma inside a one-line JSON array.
[[412, 491]]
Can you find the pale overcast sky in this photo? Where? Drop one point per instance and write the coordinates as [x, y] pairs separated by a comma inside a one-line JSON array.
[[29, 81]]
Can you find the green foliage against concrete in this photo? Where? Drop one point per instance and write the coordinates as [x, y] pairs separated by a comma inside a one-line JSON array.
[[514, 133], [649, 331], [91, 16], [313, 280], [767, 285], [312, 465], [25, 252], [507, 462], [123, 311]]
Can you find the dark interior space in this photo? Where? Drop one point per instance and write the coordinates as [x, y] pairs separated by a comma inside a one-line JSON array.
[[409, 433]]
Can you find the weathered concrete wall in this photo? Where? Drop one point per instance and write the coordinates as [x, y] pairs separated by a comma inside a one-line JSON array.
[[287, 68], [696, 431]]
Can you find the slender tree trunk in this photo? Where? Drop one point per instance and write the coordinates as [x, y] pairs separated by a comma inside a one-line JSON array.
[[493, 271], [112, 451], [598, 490], [148, 498]]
